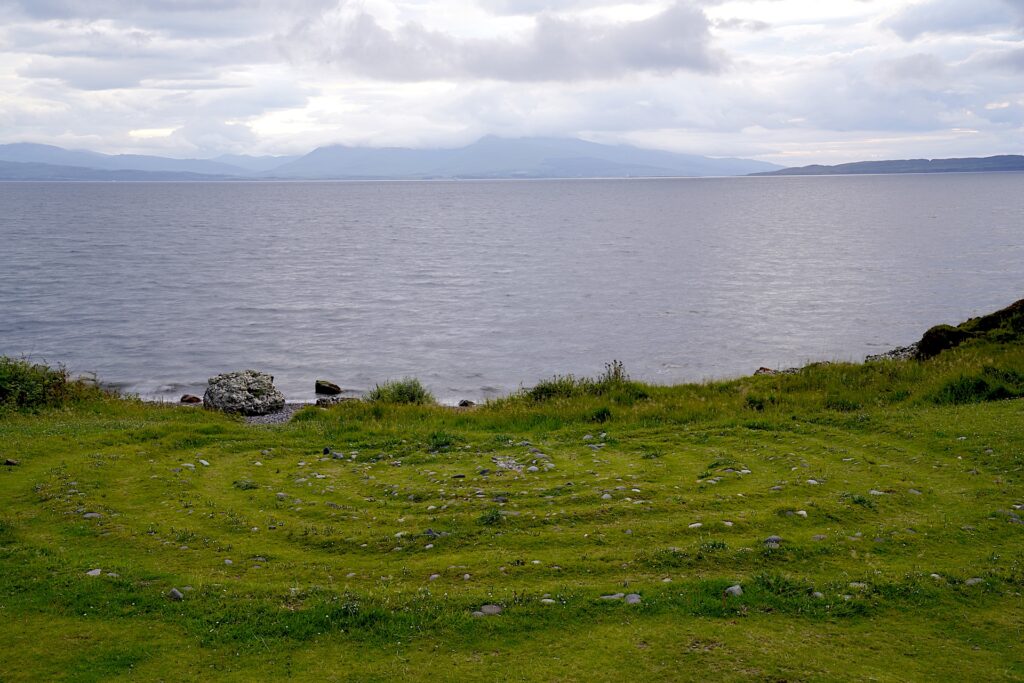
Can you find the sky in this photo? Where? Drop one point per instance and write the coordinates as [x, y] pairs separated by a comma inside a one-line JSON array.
[[787, 81]]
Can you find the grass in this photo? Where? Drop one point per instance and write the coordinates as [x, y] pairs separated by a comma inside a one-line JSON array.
[[408, 391], [670, 494]]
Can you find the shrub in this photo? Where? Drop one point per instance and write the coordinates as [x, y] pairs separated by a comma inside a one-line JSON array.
[[613, 384], [30, 386], [405, 391]]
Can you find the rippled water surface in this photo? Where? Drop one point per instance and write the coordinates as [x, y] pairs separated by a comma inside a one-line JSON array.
[[480, 287]]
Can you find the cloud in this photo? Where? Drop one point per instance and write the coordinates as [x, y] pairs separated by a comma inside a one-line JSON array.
[[556, 49], [956, 17]]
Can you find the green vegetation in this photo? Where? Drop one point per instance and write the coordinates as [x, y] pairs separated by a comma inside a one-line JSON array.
[[1002, 327], [31, 386], [407, 391], [895, 489]]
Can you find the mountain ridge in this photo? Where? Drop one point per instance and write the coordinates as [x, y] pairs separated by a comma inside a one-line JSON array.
[[488, 157], [998, 163]]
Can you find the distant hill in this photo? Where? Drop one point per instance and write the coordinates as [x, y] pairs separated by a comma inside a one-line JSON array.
[[14, 170], [1006, 162], [493, 157], [490, 157]]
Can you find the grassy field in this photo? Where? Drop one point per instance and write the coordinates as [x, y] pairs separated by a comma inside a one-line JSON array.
[[895, 489]]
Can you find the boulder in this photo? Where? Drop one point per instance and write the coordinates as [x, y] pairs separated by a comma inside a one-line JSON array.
[[190, 399], [247, 392], [326, 388], [466, 403], [765, 371]]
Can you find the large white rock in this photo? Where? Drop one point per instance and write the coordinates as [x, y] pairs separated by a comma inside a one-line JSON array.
[[248, 392]]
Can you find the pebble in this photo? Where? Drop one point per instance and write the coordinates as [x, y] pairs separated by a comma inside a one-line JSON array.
[[478, 614], [547, 601], [773, 541], [876, 492], [491, 610], [466, 577], [434, 577], [696, 525], [813, 482], [94, 572], [735, 591], [937, 577], [914, 492], [614, 596], [429, 546], [204, 463], [973, 582], [282, 496], [228, 562], [91, 515], [606, 496], [175, 594], [727, 523], [776, 488], [801, 513], [633, 599], [533, 468], [818, 595]]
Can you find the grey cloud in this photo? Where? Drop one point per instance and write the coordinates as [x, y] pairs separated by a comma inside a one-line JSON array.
[[956, 16], [737, 24], [557, 49]]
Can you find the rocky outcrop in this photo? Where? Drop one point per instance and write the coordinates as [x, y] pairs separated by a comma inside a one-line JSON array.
[[1003, 326], [247, 392]]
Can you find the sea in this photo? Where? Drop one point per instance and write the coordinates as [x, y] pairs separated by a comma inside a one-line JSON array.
[[479, 288]]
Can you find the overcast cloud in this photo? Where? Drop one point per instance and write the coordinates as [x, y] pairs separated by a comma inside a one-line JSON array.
[[790, 81]]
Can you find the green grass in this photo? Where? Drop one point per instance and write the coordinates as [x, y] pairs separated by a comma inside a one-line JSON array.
[[404, 391], [917, 469]]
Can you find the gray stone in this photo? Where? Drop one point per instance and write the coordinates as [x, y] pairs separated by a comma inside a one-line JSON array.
[[11, 462], [91, 515], [533, 468], [614, 596], [606, 496], [322, 386], [734, 591], [175, 594], [773, 540], [466, 403], [478, 614], [94, 572], [547, 601], [189, 399], [914, 492], [973, 582], [491, 610], [818, 595], [633, 599], [248, 392]]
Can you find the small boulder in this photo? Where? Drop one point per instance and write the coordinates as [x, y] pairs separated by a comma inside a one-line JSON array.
[[176, 595], [94, 572], [91, 515], [326, 388], [766, 371], [734, 591], [248, 392], [491, 610], [633, 599], [189, 399], [466, 403], [10, 462], [973, 582]]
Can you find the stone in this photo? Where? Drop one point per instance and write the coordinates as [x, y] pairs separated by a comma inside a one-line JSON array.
[[94, 572], [547, 601], [914, 492], [328, 401], [326, 388], [876, 492], [533, 468], [614, 596], [11, 462], [773, 540], [801, 513], [633, 599], [491, 610], [204, 463], [466, 403], [434, 577], [247, 392], [973, 582], [696, 525], [819, 537], [813, 482], [176, 595], [857, 585], [478, 614], [282, 496], [765, 371], [734, 591], [228, 562], [606, 496], [91, 515], [189, 399]]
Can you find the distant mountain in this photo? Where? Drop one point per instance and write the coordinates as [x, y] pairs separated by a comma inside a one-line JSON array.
[[14, 170], [490, 157], [254, 164], [493, 157], [26, 152], [1007, 162]]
